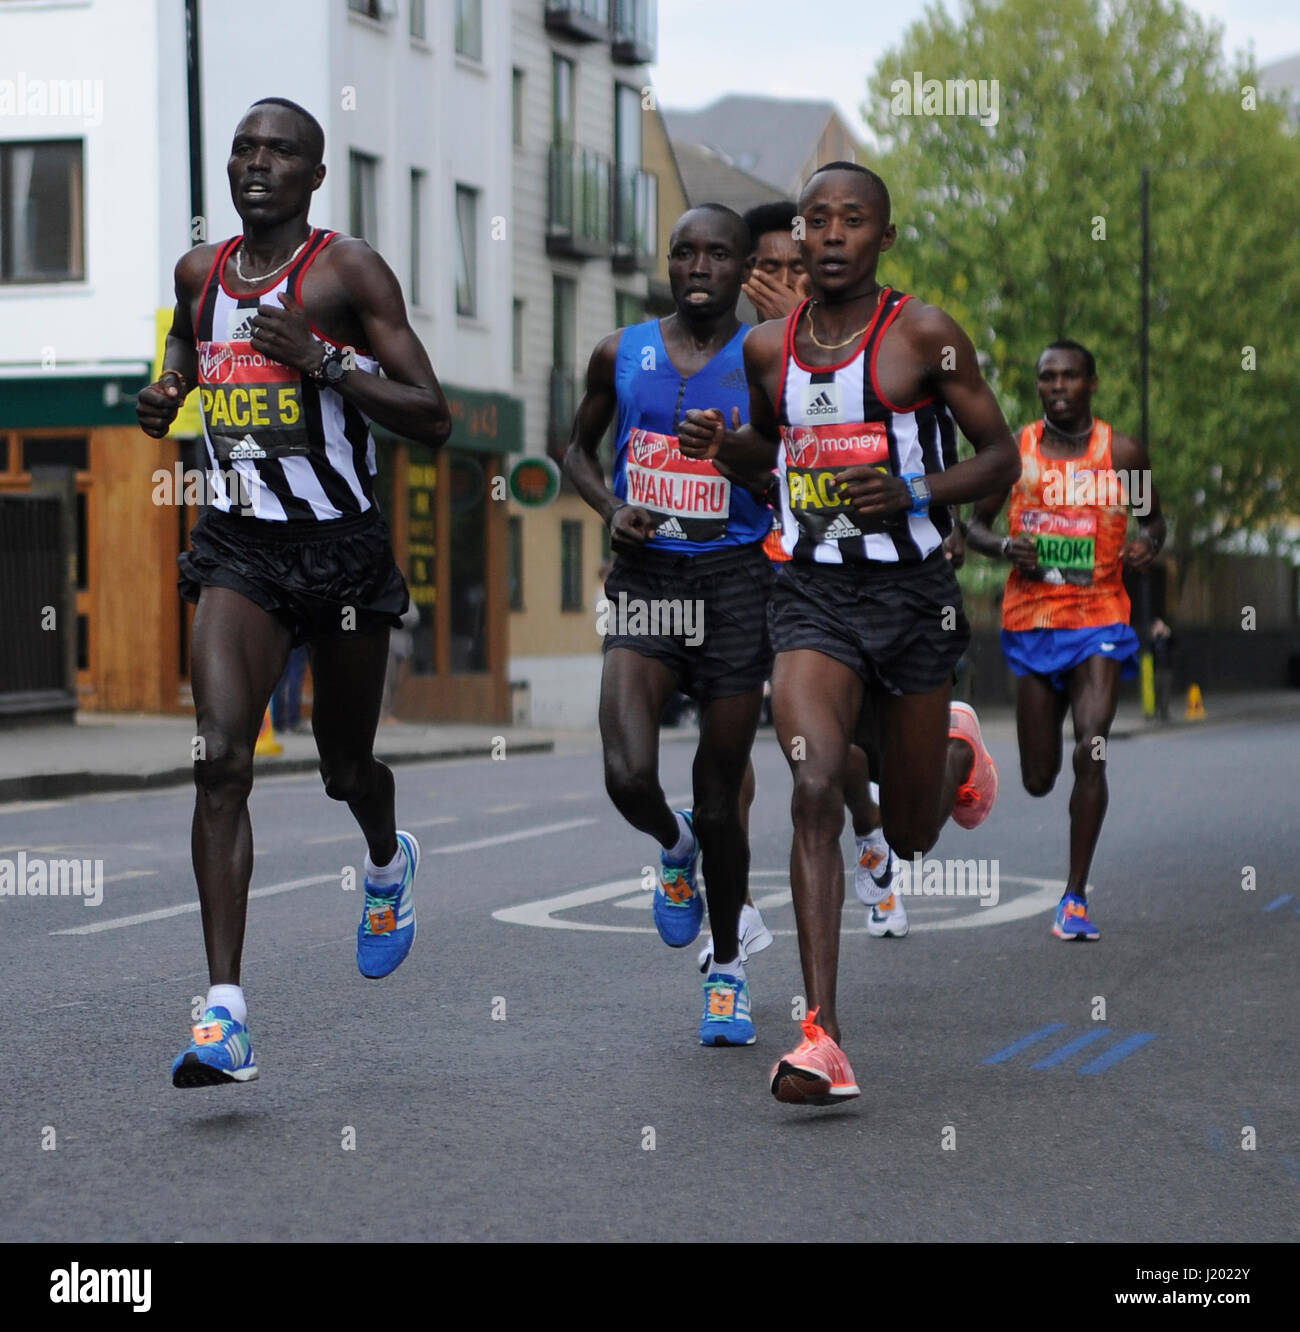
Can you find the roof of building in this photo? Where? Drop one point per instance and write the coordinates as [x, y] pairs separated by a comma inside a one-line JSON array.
[[770, 137], [1280, 74], [708, 178]]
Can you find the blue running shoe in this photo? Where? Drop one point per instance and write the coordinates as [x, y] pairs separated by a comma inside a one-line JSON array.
[[1072, 919], [726, 1018], [679, 904], [387, 928], [221, 1051]]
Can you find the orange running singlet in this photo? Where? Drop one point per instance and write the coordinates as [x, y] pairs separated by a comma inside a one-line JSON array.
[[1080, 582]]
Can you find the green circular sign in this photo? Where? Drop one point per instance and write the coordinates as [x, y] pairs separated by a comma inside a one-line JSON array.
[[534, 482]]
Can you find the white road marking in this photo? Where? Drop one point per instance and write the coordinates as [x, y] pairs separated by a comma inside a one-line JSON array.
[[131, 874], [519, 835], [503, 809], [433, 823], [28, 806], [162, 913], [144, 917], [541, 914]]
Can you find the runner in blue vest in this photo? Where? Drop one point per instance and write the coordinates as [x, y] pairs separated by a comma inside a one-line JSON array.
[[686, 599]]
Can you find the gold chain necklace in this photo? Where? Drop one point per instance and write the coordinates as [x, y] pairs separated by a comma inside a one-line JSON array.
[[853, 337]]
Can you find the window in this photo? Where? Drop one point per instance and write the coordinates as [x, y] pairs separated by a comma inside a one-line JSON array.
[[370, 8], [467, 251], [517, 338], [570, 565], [561, 100], [469, 28], [417, 193], [517, 106], [627, 126], [468, 501], [41, 221], [564, 333], [363, 197], [629, 308], [515, 561], [417, 19]]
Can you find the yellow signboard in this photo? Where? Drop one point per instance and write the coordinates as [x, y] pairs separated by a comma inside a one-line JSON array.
[[188, 421]]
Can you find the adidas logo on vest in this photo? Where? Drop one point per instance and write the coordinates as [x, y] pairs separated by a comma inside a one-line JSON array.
[[841, 528]]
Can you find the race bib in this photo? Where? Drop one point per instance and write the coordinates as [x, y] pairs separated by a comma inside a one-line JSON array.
[[690, 499], [251, 404], [813, 457], [1066, 544]]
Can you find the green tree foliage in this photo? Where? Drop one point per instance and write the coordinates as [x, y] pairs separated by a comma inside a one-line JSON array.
[[1001, 224]]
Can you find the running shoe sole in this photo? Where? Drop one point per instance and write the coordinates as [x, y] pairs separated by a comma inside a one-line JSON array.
[[793, 1085], [194, 1073]]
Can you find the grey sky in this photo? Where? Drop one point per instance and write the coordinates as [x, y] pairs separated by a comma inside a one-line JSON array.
[[825, 48]]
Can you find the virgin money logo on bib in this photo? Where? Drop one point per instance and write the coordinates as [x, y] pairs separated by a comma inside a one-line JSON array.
[[648, 449], [216, 362], [836, 445]]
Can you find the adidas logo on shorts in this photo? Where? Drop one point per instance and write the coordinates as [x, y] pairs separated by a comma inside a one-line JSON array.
[[671, 528], [841, 528]]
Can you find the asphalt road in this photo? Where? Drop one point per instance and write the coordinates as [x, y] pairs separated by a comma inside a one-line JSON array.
[[537, 1076]]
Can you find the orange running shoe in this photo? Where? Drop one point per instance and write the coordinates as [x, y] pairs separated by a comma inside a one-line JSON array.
[[975, 796], [815, 1072]]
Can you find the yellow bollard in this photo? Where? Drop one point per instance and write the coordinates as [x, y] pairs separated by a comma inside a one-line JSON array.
[[1146, 666], [267, 744], [1195, 704]]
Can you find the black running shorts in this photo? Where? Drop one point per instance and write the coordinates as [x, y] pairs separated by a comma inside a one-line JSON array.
[[306, 574], [705, 616], [901, 627]]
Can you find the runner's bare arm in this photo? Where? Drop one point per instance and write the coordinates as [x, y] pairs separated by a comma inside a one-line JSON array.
[[595, 412], [409, 400], [1129, 457], [156, 404], [1020, 551], [749, 450], [953, 371]]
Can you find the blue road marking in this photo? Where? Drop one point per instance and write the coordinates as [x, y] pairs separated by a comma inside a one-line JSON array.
[[1278, 901], [1060, 1055], [1023, 1043], [1119, 1051]]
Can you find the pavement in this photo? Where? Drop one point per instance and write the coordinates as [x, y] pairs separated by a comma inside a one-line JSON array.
[[134, 752], [137, 752]]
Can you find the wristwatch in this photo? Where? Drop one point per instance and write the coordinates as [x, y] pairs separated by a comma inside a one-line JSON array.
[[919, 489], [330, 371]]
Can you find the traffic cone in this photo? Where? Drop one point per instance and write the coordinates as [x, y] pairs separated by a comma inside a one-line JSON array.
[[1195, 704], [267, 744]]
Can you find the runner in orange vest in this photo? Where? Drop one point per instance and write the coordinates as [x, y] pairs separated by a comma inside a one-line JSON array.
[[1065, 613]]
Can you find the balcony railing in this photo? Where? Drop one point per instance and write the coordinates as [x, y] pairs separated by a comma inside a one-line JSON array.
[[562, 409], [636, 219], [581, 20], [636, 31], [578, 202]]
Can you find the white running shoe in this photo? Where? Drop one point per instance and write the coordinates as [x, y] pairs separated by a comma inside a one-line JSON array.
[[873, 876], [754, 937], [888, 919]]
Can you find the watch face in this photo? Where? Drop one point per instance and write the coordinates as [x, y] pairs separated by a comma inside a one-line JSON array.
[[922, 488], [333, 369]]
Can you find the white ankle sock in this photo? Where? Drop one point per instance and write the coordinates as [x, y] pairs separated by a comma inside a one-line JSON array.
[[735, 969], [229, 997], [685, 839], [387, 876]]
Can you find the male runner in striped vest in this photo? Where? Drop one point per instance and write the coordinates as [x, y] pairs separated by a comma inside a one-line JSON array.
[[851, 396], [283, 331]]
